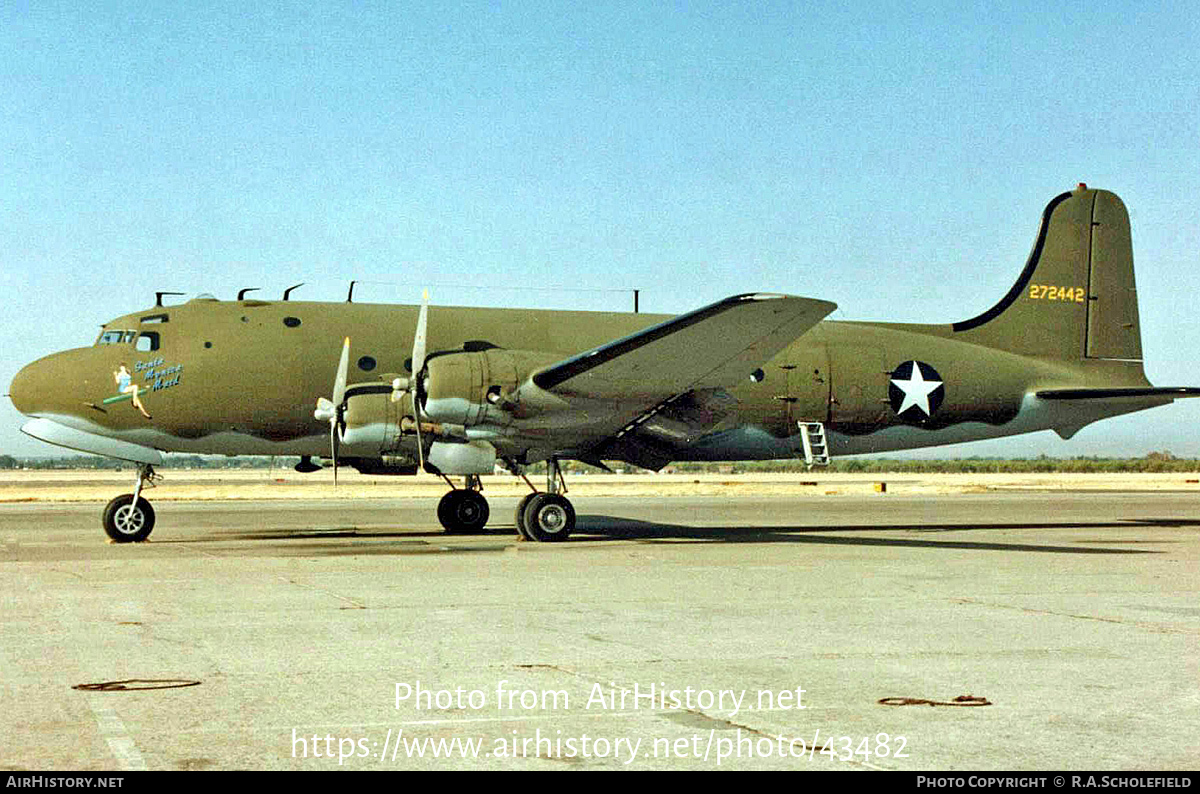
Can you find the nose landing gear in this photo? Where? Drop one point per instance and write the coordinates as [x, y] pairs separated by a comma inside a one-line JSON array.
[[129, 518]]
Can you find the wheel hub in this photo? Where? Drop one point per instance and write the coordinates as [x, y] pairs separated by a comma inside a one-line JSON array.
[[129, 520], [552, 519]]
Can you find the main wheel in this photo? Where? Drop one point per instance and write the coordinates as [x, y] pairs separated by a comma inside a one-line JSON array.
[[463, 512], [522, 529], [549, 517], [126, 522]]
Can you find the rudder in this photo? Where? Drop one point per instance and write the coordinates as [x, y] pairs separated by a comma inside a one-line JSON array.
[[1113, 329], [1075, 297]]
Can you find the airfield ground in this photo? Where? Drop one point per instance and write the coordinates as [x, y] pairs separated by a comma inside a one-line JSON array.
[[736, 623], [189, 485]]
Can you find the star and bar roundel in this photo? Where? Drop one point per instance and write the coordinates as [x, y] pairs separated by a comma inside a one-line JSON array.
[[915, 391]]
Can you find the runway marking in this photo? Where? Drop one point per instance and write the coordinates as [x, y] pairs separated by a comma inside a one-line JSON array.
[[119, 741]]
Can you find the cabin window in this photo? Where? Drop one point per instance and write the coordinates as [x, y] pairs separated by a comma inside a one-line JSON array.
[[291, 322], [366, 363], [147, 341], [155, 318]]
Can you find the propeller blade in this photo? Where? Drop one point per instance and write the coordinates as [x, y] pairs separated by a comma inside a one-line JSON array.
[[417, 426], [418, 364], [333, 448], [418, 356], [331, 411], [339, 384]]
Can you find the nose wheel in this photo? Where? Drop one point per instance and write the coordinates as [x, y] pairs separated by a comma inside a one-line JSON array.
[[129, 518]]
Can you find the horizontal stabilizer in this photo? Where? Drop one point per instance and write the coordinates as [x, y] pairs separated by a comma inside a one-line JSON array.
[[1109, 394]]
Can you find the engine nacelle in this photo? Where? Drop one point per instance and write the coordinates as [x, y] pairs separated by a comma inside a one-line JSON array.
[[465, 457], [468, 388], [371, 423]]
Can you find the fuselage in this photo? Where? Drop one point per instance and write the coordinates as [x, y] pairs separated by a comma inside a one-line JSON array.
[[242, 377]]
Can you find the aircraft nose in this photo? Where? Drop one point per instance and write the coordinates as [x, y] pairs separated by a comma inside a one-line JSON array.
[[25, 387]]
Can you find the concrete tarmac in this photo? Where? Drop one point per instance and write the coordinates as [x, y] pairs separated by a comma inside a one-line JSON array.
[[806, 633]]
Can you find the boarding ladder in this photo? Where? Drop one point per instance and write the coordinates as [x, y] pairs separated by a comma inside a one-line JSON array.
[[812, 440]]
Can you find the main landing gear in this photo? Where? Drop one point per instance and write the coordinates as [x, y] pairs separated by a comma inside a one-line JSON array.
[[129, 518], [547, 516], [464, 511], [542, 516]]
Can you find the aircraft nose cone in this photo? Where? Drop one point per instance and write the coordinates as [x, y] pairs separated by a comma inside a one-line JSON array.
[[24, 389]]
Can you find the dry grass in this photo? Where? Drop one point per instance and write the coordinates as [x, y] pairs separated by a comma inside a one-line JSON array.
[[100, 486]]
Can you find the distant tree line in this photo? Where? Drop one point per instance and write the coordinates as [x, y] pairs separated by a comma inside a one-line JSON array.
[[169, 462], [1153, 462], [1043, 464]]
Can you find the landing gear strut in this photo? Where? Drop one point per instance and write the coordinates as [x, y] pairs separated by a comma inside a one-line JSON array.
[[129, 518], [547, 516], [464, 511]]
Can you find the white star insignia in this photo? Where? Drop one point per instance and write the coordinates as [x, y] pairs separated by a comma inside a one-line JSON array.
[[916, 390]]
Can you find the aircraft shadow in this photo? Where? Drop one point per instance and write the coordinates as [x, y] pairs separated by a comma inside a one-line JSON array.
[[348, 533], [616, 528], [601, 527]]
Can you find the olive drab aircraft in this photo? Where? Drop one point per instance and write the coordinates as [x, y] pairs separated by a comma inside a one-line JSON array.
[[460, 392]]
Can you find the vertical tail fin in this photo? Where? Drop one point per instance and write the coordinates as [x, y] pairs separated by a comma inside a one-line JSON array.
[[1076, 297]]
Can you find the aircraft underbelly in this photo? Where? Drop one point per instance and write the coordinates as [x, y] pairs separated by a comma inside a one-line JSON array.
[[755, 443]]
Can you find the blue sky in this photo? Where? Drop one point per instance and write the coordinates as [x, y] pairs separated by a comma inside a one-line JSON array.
[[894, 160]]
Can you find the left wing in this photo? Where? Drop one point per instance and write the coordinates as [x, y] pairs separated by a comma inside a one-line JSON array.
[[644, 397], [664, 384], [713, 347]]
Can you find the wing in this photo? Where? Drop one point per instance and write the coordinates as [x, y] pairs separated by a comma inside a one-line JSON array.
[[644, 397], [713, 347]]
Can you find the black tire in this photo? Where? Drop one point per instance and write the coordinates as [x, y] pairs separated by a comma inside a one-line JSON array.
[[519, 518], [463, 512], [126, 522], [549, 518]]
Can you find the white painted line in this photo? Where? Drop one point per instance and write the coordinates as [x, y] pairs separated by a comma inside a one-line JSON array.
[[118, 739]]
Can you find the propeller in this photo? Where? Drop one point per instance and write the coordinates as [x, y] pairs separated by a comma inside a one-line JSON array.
[[411, 384], [332, 410]]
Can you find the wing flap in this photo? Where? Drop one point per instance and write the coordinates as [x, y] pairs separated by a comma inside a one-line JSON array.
[[713, 347]]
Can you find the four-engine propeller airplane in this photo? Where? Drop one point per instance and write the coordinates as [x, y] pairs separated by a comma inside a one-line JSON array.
[[457, 391]]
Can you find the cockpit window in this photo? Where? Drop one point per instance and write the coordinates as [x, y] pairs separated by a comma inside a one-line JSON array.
[[116, 337], [147, 341]]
